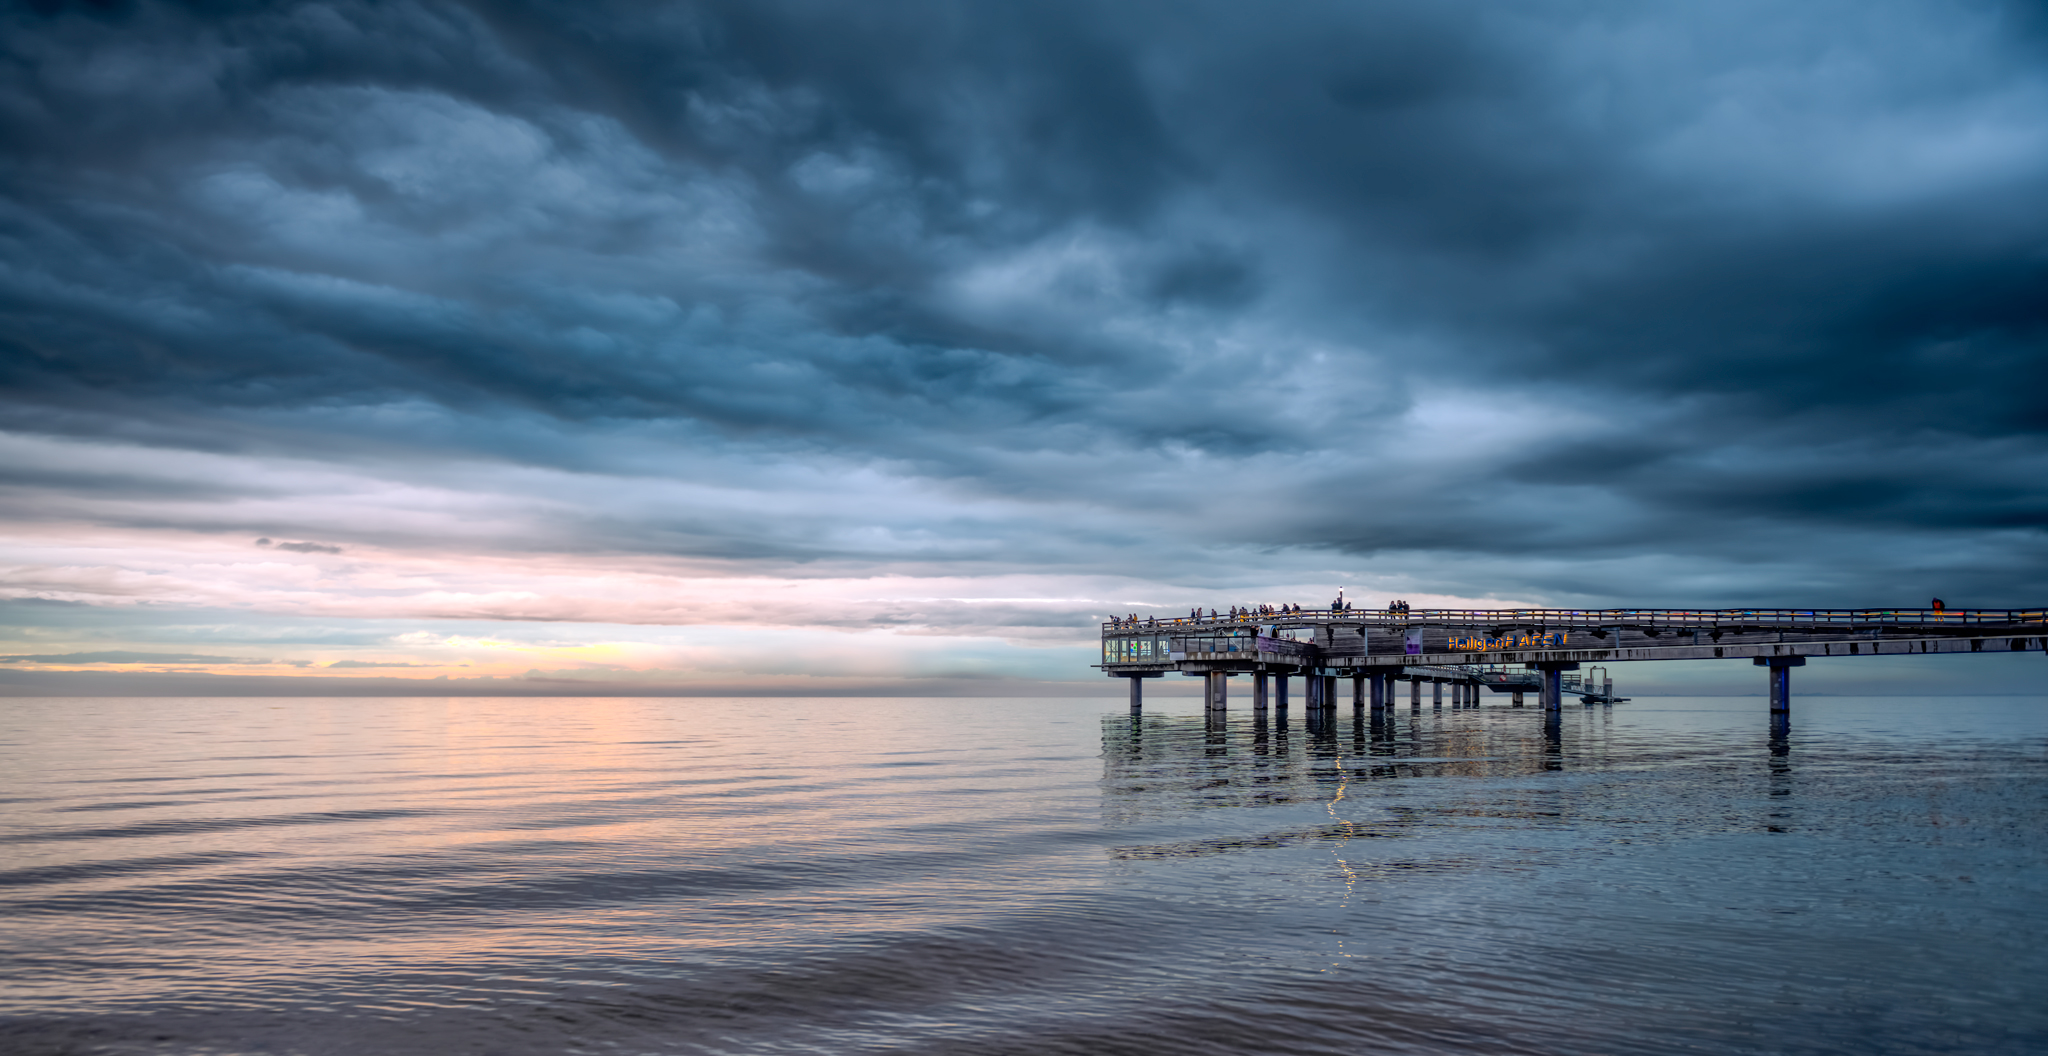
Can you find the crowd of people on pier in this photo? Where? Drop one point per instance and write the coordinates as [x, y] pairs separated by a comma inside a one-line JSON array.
[[1240, 613], [1246, 613]]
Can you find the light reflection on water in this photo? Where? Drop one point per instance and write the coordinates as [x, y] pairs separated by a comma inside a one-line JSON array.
[[435, 875]]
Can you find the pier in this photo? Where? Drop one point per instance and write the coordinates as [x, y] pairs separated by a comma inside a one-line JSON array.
[[1465, 653]]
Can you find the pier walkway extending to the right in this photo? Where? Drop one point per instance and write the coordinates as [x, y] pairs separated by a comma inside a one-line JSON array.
[[1479, 649]]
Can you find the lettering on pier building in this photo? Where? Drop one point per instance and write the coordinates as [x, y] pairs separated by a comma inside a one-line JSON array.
[[1475, 643]]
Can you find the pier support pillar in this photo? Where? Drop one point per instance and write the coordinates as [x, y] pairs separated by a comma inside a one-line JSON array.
[[1217, 683], [1329, 692], [1137, 693], [1280, 691], [1553, 682], [1517, 701], [1436, 694], [1378, 690], [1780, 677], [1258, 691], [1357, 692], [1414, 693]]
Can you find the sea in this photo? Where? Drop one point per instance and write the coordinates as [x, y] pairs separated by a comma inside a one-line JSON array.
[[510, 876]]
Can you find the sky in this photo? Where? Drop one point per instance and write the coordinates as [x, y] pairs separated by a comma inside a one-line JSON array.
[[792, 347]]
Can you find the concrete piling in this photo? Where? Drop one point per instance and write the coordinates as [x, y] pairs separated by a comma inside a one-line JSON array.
[[1779, 679]]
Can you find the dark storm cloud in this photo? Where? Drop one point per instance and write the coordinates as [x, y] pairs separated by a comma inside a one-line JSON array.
[[1495, 296]]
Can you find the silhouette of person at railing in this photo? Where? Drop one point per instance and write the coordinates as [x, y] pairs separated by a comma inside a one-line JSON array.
[[1940, 605]]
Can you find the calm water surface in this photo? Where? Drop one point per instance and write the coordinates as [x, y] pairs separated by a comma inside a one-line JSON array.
[[521, 876]]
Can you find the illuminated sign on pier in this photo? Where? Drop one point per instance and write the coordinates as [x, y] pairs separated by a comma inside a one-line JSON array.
[[1475, 643]]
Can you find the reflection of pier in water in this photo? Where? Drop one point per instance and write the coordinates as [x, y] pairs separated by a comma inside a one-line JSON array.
[[1386, 778], [1155, 764]]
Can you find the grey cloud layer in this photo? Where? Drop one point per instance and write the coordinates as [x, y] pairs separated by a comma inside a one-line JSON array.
[[1727, 302]]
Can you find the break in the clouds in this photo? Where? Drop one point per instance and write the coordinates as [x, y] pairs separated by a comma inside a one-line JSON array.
[[978, 321]]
